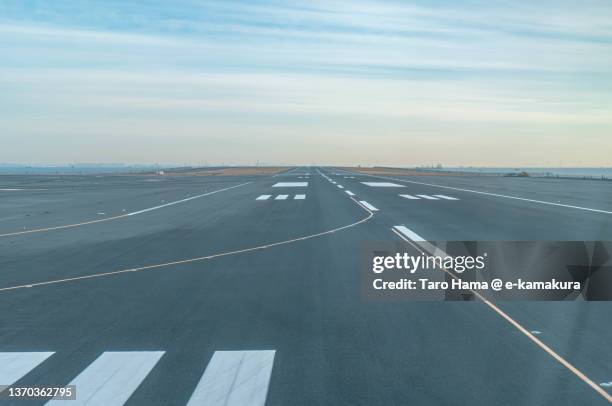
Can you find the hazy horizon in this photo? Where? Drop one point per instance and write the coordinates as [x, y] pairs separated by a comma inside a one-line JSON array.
[[467, 83]]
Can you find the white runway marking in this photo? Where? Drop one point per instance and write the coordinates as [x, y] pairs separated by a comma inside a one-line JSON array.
[[263, 197], [112, 378], [299, 197], [368, 205], [446, 197], [340, 186], [235, 378], [434, 250], [14, 365], [38, 230], [382, 184], [196, 259], [427, 197], [348, 192], [18, 190], [410, 197], [290, 184], [409, 233], [569, 206], [281, 197]]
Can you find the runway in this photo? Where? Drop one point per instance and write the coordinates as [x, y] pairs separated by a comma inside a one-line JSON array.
[[246, 290]]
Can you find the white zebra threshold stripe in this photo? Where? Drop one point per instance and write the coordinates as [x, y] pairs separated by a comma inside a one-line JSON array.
[[15, 365], [111, 378], [299, 197], [446, 197], [263, 197], [235, 378]]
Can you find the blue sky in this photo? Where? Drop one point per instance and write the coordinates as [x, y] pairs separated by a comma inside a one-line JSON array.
[[397, 83]]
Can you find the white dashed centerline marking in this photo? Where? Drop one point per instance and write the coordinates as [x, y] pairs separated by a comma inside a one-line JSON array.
[[408, 233], [263, 197], [368, 205], [235, 378], [348, 192], [281, 197], [340, 186]]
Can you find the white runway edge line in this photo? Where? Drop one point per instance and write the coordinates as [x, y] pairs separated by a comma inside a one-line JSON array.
[[15, 365], [38, 230], [235, 378], [203, 258], [368, 205], [435, 251], [112, 378], [569, 206]]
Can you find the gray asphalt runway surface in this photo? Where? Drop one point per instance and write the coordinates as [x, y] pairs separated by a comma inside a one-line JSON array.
[[174, 290]]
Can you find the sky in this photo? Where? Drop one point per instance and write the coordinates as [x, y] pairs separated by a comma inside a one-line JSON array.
[[460, 83]]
